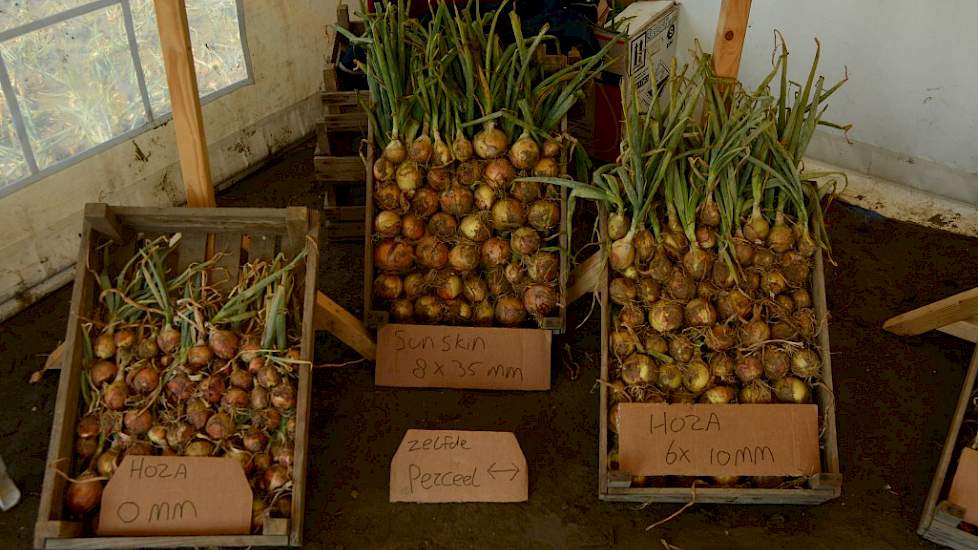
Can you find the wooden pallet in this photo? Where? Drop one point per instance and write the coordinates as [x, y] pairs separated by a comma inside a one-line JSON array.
[[616, 485], [240, 233], [374, 318]]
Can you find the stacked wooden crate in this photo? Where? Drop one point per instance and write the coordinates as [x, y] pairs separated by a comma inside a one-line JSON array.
[[339, 136]]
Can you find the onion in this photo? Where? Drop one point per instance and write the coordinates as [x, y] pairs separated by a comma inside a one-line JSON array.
[[697, 262], [414, 285], [681, 348], [616, 392], [107, 462], [408, 176], [475, 228], [806, 244], [402, 310], [795, 267], [755, 392], [743, 252], [785, 304], [755, 332], [387, 196], [87, 426], [254, 440], [623, 342], [618, 225], [670, 377], [490, 142], [223, 343], [526, 191], [631, 316], [168, 339], [509, 311], [495, 252], [644, 243], [508, 214], [639, 369], [544, 215], [431, 253], [757, 228], [699, 312], [498, 284], [705, 237], [198, 411], [516, 275], [240, 378], [723, 368], [551, 148], [462, 148], [429, 309], [440, 177], [696, 376], [483, 313], [524, 153], [773, 282], [733, 304], [102, 371], [543, 267], [258, 398], [783, 331], [464, 257], [212, 388], [114, 395], [270, 418], [622, 290], [706, 291], [199, 356], [145, 380], [219, 426], [539, 300], [720, 337], [180, 388], [763, 257], [283, 396], [421, 149], [393, 256], [457, 200], [806, 364], [792, 390], [469, 172], [268, 376], [474, 288], [675, 243], [681, 286], [442, 153], [525, 241], [748, 368], [805, 321], [622, 254], [147, 348], [499, 174], [84, 493], [781, 238], [709, 214], [388, 287], [725, 481], [485, 196], [660, 268], [614, 417], [395, 151], [424, 203], [442, 225], [86, 448], [104, 346], [449, 287], [776, 363], [718, 395], [546, 168], [199, 447], [802, 298], [649, 291], [655, 343], [666, 316], [124, 339], [752, 281], [383, 169]]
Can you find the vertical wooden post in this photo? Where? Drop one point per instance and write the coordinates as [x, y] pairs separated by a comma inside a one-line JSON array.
[[178, 57], [729, 41]]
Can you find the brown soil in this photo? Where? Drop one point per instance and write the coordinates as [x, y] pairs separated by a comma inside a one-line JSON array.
[[895, 397]]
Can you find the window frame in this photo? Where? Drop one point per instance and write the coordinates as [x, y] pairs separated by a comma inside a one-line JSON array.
[[153, 120]]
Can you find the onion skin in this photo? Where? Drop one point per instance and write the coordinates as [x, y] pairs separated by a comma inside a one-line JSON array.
[[102, 372], [666, 316], [539, 300], [649, 291], [720, 337], [402, 310], [546, 168], [440, 177], [756, 392], [442, 225], [743, 252], [781, 238], [757, 229], [509, 311], [84, 494], [490, 142], [464, 257], [495, 252], [383, 169], [395, 151], [168, 339], [776, 363], [700, 313], [457, 200], [429, 309], [199, 356], [180, 388], [224, 343], [802, 298], [145, 380], [475, 228], [199, 447], [696, 377], [697, 262], [524, 153], [87, 426], [622, 254], [424, 203], [483, 313], [681, 348], [508, 214], [431, 253], [622, 290], [462, 148], [639, 369], [147, 348], [516, 275], [543, 267], [623, 342], [792, 390], [387, 224], [283, 397], [681, 287], [655, 343], [393, 256], [631, 316], [468, 173], [450, 287], [670, 377], [104, 346], [644, 243], [388, 287], [499, 174], [755, 332], [484, 197], [709, 213], [408, 177], [475, 289], [526, 191], [114, 396], [723, 368], [618, 224], [544, 215], [525, 241], [387, 196], [718, 395], [805, 364], [748, 369]]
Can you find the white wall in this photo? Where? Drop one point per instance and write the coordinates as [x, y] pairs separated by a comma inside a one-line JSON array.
[[40, 223], [912, 94]]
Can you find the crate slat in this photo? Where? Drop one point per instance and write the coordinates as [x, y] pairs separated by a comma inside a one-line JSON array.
[[339, 169], [228, 245], [193, 249]]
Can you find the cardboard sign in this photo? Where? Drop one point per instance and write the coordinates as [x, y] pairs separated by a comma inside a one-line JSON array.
[[458, 466], [718, 440], [176, 495], [964, 488], [422, 356]]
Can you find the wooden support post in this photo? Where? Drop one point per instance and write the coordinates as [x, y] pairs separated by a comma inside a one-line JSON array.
[[338, 321], [188, 120], [951, 310], [728, 45]]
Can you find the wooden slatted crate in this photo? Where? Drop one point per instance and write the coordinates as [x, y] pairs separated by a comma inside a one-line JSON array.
[[238, 233], [616, 485], [941, 520]]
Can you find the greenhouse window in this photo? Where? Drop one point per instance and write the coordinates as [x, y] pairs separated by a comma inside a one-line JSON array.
[[79, 76]]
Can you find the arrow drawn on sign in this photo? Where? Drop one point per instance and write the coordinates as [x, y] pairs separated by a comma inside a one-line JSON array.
[[492, 473]]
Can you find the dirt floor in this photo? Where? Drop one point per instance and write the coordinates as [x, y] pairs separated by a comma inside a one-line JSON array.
[[895, 397]]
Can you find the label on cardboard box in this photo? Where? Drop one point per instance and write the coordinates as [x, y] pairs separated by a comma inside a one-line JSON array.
[[964, 487], [485, 358], [176, 495], [458, 466], [718, 440]]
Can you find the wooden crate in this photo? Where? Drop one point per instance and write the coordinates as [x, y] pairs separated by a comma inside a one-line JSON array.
[[374, 318], [616, 485], [338, 135], [941, 520], [240, 233]]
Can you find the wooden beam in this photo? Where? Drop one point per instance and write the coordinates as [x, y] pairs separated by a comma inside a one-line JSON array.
[[188, 121], [338, 321], [953, 309], [965, 330], [729, 41], [586, 277]]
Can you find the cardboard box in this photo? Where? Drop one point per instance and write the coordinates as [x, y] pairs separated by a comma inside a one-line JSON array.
[[650, 44]]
